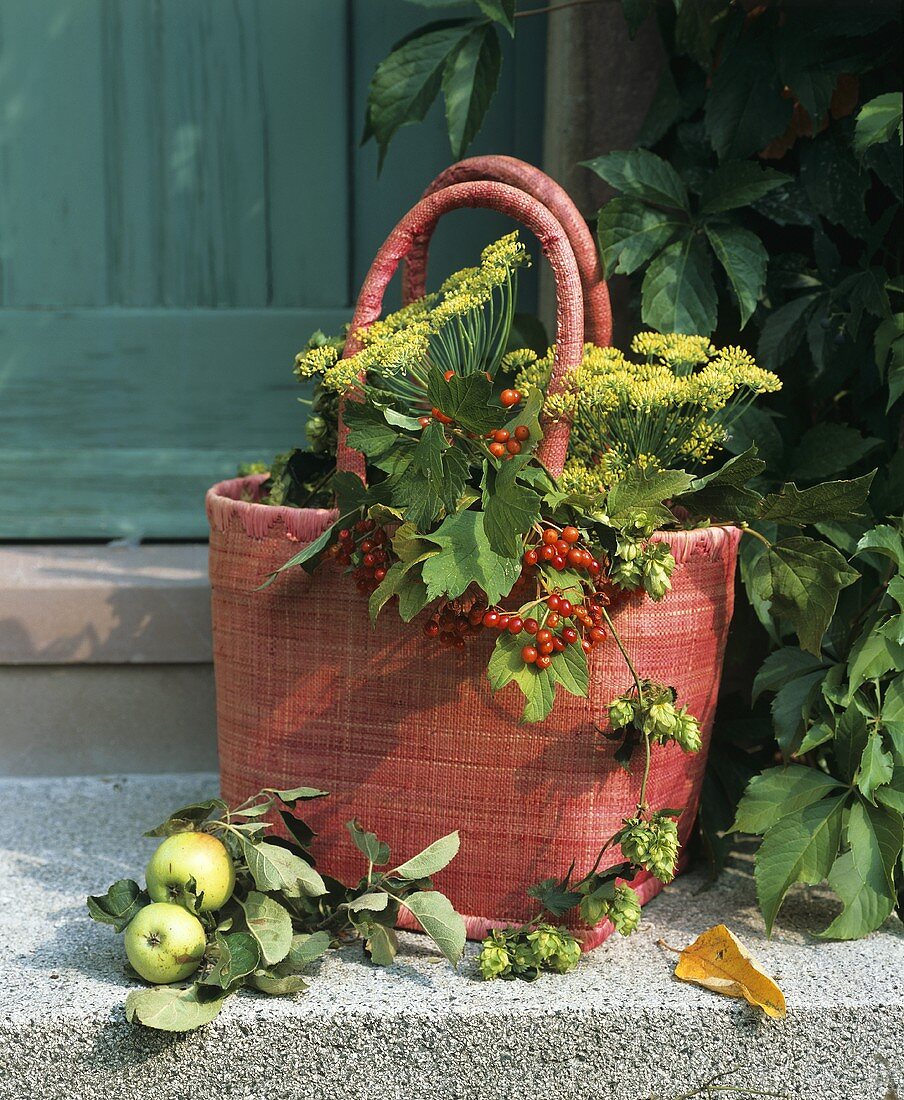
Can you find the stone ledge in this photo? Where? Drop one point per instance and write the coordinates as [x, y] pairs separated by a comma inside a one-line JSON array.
[[104, 604], [619, 1028]]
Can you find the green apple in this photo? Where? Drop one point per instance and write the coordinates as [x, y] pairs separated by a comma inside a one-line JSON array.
[[186, 856], [165, 943]]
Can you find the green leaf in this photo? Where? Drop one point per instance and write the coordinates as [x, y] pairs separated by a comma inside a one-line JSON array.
[[373, 902], [851, 735], [830, 500], [782, 666], [777, 792], [292, 795], [270, 924], [737, 183], [642, 175], [188, 818], [434, 913], [862, 877], [829, 449], [724, 493], [309, 555], [801, 578], [892, 796], [277, 981], [873, 655], [742, 255], [368, 431], [835, 181], [818, 734], [744, 109], [876, 766], [306, 947], [276, 868], [470, 78], [403, 579], [381, 944], [500, 11], [407, 81], [630, 233], [377, 851], [537, 685], [884, 540], [678, 293], [169, 1008], [569, 668], [783, 331], [643, 489], [699, 24], [120, 903], [799, 847], [467, 558], [790, 706], [878, 121], [239, 955], [510, 508], [432, 859], [466, 399]]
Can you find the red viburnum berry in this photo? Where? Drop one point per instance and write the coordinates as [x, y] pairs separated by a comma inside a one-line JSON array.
[[508, 398], [522, 433], [497, 450], [529, 654], [544, 661]]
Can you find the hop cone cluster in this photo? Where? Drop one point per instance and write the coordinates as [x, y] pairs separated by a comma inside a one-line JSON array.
[[647, 565], [652, 845], [525, 952], [619, 903], [655, 714]]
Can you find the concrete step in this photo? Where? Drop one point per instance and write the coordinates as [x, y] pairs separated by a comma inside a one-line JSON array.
[[620, 1027]]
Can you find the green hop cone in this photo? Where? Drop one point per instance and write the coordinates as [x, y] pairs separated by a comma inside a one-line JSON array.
[[660, 721], [567, 957], [621, 712], [628, 549], [657, 567], [652, 845], [545, 942], [687, 733], [624, 910], [524, 962], [494, 960], [626, 574]]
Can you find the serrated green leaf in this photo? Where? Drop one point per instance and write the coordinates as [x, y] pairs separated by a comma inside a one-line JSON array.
[[537, 685], [884, 540], [780, 667], [276, 868], [737, 183], [569, 668], [828, 449], [270, 924], [120, 903], [431, 860], [678, 293], [877, 121], [873, 655], [403, 579], [784, 329], [435, 914], [643, 489], [799, 847], [780, 791], [862, 877], [630, 233], [308, 557], [466, 399], [744, 258], [818, 734], [851, 734], [377, 851], [407, 81], [724, 493], [470, 79], [500, 11], [876, 766], [368, 431], [510, 509], [641, 174], [791, 705], [831, 500], [467, 558], [169, 1008], [801, 578]]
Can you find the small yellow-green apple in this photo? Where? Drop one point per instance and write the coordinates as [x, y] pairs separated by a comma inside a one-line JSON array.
[[186, 856], [164, 942]]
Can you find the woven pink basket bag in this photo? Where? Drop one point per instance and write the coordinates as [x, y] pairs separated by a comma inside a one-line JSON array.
[[409, 738]]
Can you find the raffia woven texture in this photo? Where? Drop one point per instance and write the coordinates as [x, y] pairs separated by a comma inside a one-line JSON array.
[[527, 178], [408, 737]]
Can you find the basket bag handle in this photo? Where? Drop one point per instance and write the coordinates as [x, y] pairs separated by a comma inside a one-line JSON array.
[[530, 212], [527, 177]]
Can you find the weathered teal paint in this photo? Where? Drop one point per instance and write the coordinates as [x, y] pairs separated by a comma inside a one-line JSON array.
[[182, 201]]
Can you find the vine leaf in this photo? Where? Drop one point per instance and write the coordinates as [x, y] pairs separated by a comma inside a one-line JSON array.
[[742, 255], [642, 175], [678, 293], [467, 558], [470, 79], [630, 233]]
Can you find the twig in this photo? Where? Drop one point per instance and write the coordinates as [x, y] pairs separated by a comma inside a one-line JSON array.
[[646, 737], [555, 7]]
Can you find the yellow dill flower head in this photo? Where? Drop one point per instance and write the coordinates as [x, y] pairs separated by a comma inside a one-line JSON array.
[[314, 361]]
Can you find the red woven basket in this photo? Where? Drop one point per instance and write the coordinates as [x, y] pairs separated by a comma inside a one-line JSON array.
[[408, 738]]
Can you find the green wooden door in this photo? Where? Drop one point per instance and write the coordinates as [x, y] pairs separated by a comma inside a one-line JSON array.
[[183, 199]]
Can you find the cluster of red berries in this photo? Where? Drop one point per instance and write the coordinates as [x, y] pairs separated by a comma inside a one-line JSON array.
[[588, 615], [506, 444], [366, 546], [560, 550]]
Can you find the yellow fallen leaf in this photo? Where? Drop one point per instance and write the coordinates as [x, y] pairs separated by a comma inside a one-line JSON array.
[[717, 960]]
